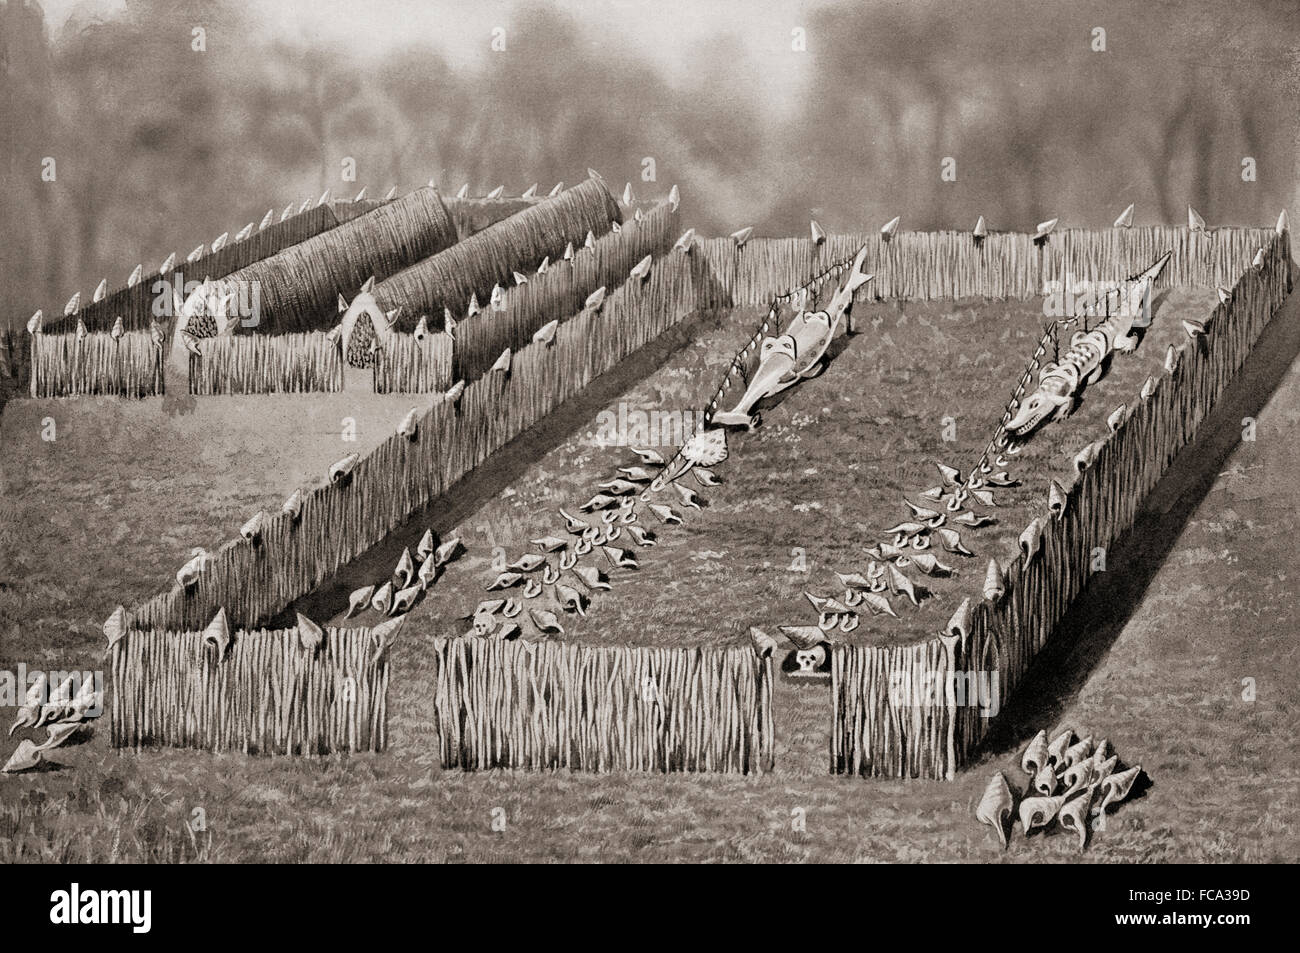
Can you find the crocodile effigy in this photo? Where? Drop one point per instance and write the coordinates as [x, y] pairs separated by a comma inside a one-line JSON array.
[[1060, 383]]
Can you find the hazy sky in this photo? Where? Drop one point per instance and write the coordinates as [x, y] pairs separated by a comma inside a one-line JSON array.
[[666, 33]]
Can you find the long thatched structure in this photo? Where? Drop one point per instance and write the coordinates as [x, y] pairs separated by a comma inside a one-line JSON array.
[[562, 290], [266, 364], [472, 267], [97, 363], [471, 216], [564, 706], [339, 521], [265, 692], [880, 730], [298, 288], [135, 304]]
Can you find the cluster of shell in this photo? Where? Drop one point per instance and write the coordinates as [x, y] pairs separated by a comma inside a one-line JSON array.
[[925, 543], [1071, 783], [413, 576], [571, 566], [60, 712]]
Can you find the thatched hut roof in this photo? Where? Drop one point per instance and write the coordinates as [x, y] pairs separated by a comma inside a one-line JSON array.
[[135, 304], [490, 257]]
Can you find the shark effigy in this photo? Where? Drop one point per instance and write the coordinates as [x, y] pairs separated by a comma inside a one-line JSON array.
[[797, 354], [1060, 384]]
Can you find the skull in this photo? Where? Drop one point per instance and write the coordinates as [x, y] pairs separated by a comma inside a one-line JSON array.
[[484, 623], [809, 660]]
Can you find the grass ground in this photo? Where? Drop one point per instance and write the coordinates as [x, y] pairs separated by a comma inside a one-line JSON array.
[[1166, 688]]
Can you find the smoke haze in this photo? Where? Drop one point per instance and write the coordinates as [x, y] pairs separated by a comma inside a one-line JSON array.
[[158, 147]]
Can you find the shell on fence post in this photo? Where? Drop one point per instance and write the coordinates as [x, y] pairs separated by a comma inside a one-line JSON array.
[[675, 198], [995, 583], [168, 264], [1057, 499], [960, 622], [641, 270], [888, 230], [137, 273], [686, 242], [251, 531], [740, 237], [324, 198], [1194, 221], [453, 394], [764, 645], [502, 364], [1043, 229], [818, 234], [1149, 388], [115, 626], [384, 635], [1125, 219], [1031, 538], [1085, 457], [556, 189], [530, 192], [546, 333], [269, 217], [980, 231], [292, 506], [1172, 357], [1117, 418], [217, 633], [409, 426], [310, 635], [342, 469], [36, 323], [101, 290], [1282, 225]]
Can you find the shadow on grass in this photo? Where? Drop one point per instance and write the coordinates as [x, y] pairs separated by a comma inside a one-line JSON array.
[[502, 469], [1096, 619]]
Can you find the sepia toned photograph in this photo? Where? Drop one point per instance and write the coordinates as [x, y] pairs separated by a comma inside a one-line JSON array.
[[596, 431]]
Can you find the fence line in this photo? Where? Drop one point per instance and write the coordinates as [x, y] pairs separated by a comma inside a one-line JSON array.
[[338, 522], [876, 731], [559, 705], [69, 365], [267, 692], [266, 364], [948, 264], [407, 365]]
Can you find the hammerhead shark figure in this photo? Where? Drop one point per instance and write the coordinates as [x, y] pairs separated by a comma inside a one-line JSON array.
[[797, 354]]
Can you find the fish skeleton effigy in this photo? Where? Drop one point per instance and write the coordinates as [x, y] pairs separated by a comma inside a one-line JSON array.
[[1060, 383]]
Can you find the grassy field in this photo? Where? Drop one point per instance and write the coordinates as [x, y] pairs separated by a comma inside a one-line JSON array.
[[105, 514]]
